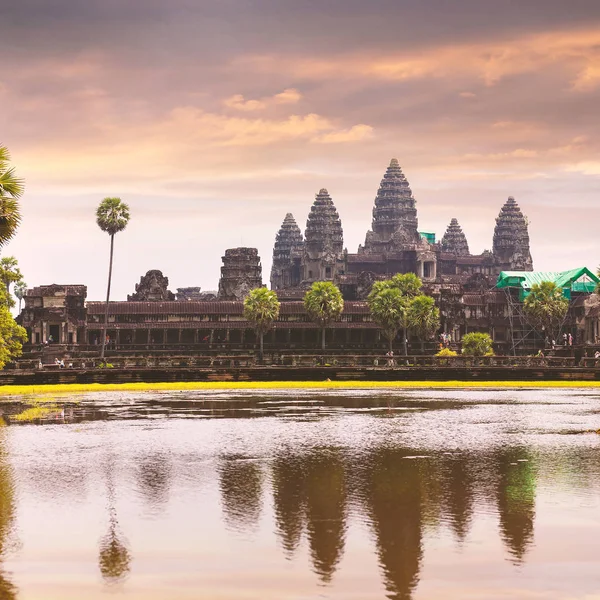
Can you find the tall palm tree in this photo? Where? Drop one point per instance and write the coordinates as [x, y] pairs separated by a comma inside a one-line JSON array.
[[9, 274], [20, 291], [261, 308], [424, 317], [388, 308], [11, 190], [323, 303], [112, 216]]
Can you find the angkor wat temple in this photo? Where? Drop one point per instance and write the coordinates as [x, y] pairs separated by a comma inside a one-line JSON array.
[[393, 245], [464, 286]]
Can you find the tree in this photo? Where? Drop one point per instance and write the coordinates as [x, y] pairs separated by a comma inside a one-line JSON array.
[[323, 303], [112, 216], [477, 344], [388, 309], [20, 291], [546, 307], [423, 317], [11, 190], [9, 274], [409, 286], [261, 308], [12, 336]]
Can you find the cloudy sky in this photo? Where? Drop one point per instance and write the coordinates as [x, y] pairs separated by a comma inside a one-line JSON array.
[[212, 119]]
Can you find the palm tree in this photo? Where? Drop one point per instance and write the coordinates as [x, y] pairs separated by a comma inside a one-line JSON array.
[[11, 190], [112, 216], [261, 308], [388, 309], [409, 286], [546, 307], [9, 274], [424, 317], [20, 291], [323, 303]]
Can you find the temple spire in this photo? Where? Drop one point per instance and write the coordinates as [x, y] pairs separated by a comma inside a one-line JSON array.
[[287, 251], [511, 239], [324, 240], [394, 213], [454, 240]]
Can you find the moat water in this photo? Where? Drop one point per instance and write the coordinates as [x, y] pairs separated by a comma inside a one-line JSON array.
[[300, 495]]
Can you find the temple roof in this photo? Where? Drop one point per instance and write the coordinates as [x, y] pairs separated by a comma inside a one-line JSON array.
[[454, 240]]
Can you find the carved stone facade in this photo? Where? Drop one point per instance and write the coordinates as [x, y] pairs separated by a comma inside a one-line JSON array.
[[153, 287], [511, 239], [240, 273], [54, 314]]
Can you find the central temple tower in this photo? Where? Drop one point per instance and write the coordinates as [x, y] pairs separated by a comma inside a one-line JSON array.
[[394, 214]]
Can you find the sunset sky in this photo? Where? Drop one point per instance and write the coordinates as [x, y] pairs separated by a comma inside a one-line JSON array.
[[213, 119]]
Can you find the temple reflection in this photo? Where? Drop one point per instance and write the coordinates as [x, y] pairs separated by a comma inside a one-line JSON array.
[[392, 493], [241, 482], [288, 476], [403, 494]]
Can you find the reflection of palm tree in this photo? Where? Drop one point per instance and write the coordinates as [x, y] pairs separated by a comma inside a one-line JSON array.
[[289, 497], [154, 479], [7, 510], [516, 499], [325, 510], [241, 491], [392, 490], [114, 557]]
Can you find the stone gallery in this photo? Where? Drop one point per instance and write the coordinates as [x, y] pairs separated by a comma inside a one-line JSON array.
[[464, 286]]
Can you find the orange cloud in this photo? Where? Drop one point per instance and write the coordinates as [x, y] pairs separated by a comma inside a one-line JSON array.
[[238, 102]]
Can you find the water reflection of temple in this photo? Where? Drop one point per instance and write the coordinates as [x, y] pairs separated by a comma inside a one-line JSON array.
[[401, 493]]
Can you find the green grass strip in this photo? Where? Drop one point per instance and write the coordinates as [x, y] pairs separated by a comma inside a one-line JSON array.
[[12, 390]]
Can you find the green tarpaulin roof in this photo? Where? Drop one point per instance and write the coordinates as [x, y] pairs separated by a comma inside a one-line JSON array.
[[568, 280]]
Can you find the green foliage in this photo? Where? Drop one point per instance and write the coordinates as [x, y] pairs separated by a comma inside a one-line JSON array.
[[20, 291], [9, 274], [423, 316], [323, 303], [261, 308], [408, 284], [477, 344], [11, 190], [12, 336], [447, 353], [546, 307], [388, 309], [105, 365], [112, 215]]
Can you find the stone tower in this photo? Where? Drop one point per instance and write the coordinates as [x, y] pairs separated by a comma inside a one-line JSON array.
[[394, 215], [240, 273], [153, 287], [511, 239], [287, 255], [454, 240], [323, 256]]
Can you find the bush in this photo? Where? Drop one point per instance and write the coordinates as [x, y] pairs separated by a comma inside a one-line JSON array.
[[477, 344], [446, 352]]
